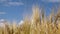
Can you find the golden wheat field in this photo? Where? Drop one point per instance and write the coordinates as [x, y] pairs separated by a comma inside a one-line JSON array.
[[37, 24]]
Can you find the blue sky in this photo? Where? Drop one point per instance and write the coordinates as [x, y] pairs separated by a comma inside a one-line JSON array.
[[17, 9]]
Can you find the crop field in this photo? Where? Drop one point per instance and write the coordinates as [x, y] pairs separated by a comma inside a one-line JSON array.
[[38, 23]]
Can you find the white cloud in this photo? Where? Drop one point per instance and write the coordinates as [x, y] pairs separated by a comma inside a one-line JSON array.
[[51, 0], [1, 23], [10, 3], [2, 12], [3, 0], [15, 3], [21, 22], [2, 20]]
